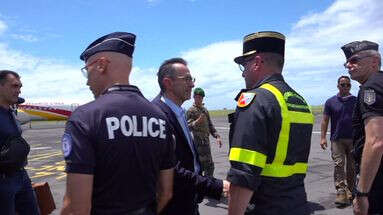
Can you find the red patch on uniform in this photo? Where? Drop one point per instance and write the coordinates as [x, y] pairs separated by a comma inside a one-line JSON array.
[[245, 99]]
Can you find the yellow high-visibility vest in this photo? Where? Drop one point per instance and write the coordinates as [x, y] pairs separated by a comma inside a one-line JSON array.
[[277, 168]]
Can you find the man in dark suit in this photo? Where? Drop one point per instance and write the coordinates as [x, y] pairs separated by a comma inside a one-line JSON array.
[[190, 187]]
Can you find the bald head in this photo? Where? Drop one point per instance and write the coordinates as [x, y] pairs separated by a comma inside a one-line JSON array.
[[117, 62], [106, 69]]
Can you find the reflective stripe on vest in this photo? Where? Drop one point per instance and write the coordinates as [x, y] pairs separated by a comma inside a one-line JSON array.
[[248, 156], [277, 167]]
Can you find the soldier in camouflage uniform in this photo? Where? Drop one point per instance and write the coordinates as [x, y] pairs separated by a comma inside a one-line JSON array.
[[200, 124]]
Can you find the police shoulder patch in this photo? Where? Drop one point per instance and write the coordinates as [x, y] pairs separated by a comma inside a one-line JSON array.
[[66, 144], [369, 96], [245, 99]]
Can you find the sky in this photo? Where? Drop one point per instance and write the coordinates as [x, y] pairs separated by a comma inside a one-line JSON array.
[[42, 41]]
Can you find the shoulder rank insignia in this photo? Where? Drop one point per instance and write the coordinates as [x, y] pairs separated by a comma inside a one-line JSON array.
[[369, 96], [245, 99]]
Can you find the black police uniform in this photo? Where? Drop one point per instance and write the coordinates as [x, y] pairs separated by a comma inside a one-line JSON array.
[[370, 104], [123, 141], [269, 146]]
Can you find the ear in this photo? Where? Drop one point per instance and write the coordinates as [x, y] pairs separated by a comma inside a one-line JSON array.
[[376, 61], [102, 65], [167, 82], [258, 63]]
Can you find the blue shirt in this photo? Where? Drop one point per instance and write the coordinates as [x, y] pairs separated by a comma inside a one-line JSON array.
[[8, 125], [181, 117], [340, 110]]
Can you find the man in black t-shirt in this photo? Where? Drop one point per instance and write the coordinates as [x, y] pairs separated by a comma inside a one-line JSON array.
[[339, 110], [363, 62], [118, 149]]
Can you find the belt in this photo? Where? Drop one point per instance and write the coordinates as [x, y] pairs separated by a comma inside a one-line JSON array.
[[140, 211]]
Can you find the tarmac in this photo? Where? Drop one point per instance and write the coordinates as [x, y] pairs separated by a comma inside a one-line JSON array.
[[45, 163]]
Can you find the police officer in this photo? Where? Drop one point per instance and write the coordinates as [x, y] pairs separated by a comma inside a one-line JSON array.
[[118, 149], [363, 62], [201, 126], [16, 193], [270, 139]]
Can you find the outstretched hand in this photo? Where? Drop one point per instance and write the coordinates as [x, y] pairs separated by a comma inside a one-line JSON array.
[[200, 120]]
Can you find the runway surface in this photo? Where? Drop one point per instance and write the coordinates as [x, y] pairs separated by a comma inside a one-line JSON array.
[[46, 164]]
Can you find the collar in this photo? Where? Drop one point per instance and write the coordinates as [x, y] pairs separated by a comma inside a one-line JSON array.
[[173, 106], [203, 104], [371, 78], [268, 79], [121, 87], [344, 98], [2, 109]]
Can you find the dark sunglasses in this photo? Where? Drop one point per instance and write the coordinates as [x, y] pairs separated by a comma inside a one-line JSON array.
[[345, 85]]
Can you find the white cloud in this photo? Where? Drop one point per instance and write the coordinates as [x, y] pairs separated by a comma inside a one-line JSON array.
[[216, 72], [146, 81], [45, 80], [314, 59], [3, 27], [25, 37]]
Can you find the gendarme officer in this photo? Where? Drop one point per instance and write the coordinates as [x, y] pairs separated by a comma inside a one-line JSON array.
[[363, 62], [118, 149], [271, 134]]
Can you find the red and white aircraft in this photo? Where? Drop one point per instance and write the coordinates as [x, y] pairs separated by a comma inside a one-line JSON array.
[[44, 112]]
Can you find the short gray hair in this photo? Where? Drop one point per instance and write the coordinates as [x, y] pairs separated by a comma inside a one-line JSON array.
[[373, 53]]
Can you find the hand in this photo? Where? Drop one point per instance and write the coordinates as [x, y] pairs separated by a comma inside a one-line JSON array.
[[226, 188], [201, 119], [219, 141], [323, 143], [360, 205]]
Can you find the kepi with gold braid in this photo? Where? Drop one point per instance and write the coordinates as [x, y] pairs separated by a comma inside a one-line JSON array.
[[263, 41]]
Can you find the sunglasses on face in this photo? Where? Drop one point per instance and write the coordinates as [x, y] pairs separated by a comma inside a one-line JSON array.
[[345, 85]]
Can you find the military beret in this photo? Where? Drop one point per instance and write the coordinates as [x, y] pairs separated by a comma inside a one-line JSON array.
[[357, 46], [199, 91], [121, 42], [263, 41], [20, 100]]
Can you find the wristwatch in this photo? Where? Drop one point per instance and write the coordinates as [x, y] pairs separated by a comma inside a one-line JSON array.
[[357, 193]]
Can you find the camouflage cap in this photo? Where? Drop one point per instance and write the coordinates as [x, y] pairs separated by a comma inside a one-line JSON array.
[[199, 91]]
